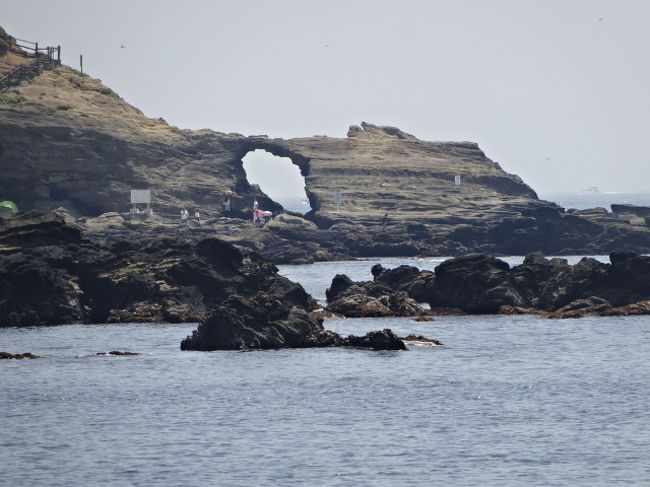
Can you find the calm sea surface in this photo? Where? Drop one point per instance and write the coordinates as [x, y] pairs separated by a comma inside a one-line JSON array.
[[514, 401]]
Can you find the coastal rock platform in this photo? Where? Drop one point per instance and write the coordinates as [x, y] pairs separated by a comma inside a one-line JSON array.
[[70, 141]]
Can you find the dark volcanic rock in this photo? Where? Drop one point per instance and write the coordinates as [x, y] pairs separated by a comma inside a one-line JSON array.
[[118, 353], [369, 299], [592, 305], [17, 356], [406, 278], [50, 274], [260, 322], [641, 211], [475, 284], [377, 340], [481, 284]]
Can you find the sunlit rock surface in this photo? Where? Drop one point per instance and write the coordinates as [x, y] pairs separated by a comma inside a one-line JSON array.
[[72, 142]]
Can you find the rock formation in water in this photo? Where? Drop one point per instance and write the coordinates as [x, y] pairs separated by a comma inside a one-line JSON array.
[[264, 323], [368, 299], [481, 284], [17, 356], [67, 140], [51, 274]]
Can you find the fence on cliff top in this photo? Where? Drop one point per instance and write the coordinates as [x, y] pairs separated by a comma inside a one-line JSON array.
[[44, 58]]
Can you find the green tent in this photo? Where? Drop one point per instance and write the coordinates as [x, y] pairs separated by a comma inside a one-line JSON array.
[[9, 204]]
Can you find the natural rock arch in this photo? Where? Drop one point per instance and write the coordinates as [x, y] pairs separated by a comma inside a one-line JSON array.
[[241, 147], [278, 177]]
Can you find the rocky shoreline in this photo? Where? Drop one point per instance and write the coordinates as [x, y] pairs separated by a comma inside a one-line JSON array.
[[50, 274], [72, 142], [482, 284]]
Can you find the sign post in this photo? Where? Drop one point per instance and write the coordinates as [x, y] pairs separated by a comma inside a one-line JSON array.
[[140, 196], [337, 200]]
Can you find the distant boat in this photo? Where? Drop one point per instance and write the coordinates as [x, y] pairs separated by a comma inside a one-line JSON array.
[[592, 189]]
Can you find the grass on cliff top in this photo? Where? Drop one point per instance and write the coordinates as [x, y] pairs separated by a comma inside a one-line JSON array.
[[79, 73], [109, 92], [11, 99]]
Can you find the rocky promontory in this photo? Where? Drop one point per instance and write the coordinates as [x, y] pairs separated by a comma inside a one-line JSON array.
[[67, 140]]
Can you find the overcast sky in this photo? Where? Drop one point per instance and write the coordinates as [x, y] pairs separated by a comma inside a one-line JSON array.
[[555, 91]]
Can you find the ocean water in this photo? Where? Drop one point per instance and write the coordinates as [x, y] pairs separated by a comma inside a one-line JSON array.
[[594, 199], [508, 401]]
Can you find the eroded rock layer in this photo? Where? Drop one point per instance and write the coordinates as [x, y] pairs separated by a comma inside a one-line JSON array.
[[67, 140]]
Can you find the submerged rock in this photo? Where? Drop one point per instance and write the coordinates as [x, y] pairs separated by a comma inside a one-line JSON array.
[[422, 339], [592, 305], [17, 356], [118, 353]]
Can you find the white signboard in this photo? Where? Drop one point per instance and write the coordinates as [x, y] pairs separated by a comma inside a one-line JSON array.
[[337, 199], [140, 196]]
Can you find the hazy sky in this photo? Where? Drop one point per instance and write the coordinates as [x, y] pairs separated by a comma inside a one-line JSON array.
[[555, 91]]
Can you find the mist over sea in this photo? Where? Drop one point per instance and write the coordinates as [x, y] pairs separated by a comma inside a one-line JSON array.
[[594, 199]]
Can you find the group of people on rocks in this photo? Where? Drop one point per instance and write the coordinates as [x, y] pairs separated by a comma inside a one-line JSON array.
[[186, 214], [259, 216]]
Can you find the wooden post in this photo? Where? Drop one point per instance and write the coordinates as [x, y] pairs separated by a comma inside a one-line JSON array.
[[38, 67], [81, 63], [58, 55]]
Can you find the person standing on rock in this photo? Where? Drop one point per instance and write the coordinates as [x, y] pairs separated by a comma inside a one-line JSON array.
[[255, 204], [226, 205], [197, 215], [384, 223], [184, 215]]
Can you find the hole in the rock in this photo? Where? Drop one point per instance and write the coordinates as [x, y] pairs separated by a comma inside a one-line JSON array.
[[279, 178]]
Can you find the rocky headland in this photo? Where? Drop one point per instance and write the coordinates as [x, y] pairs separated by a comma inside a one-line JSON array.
[[67, 140]]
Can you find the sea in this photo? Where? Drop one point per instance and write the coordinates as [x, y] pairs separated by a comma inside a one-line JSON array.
[[506, 401]]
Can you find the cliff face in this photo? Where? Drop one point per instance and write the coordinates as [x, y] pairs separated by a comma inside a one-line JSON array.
[[382, 170], [73, 142], [70, 141]]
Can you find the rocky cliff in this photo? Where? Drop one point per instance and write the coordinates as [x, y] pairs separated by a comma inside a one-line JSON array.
[[67, 140]]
